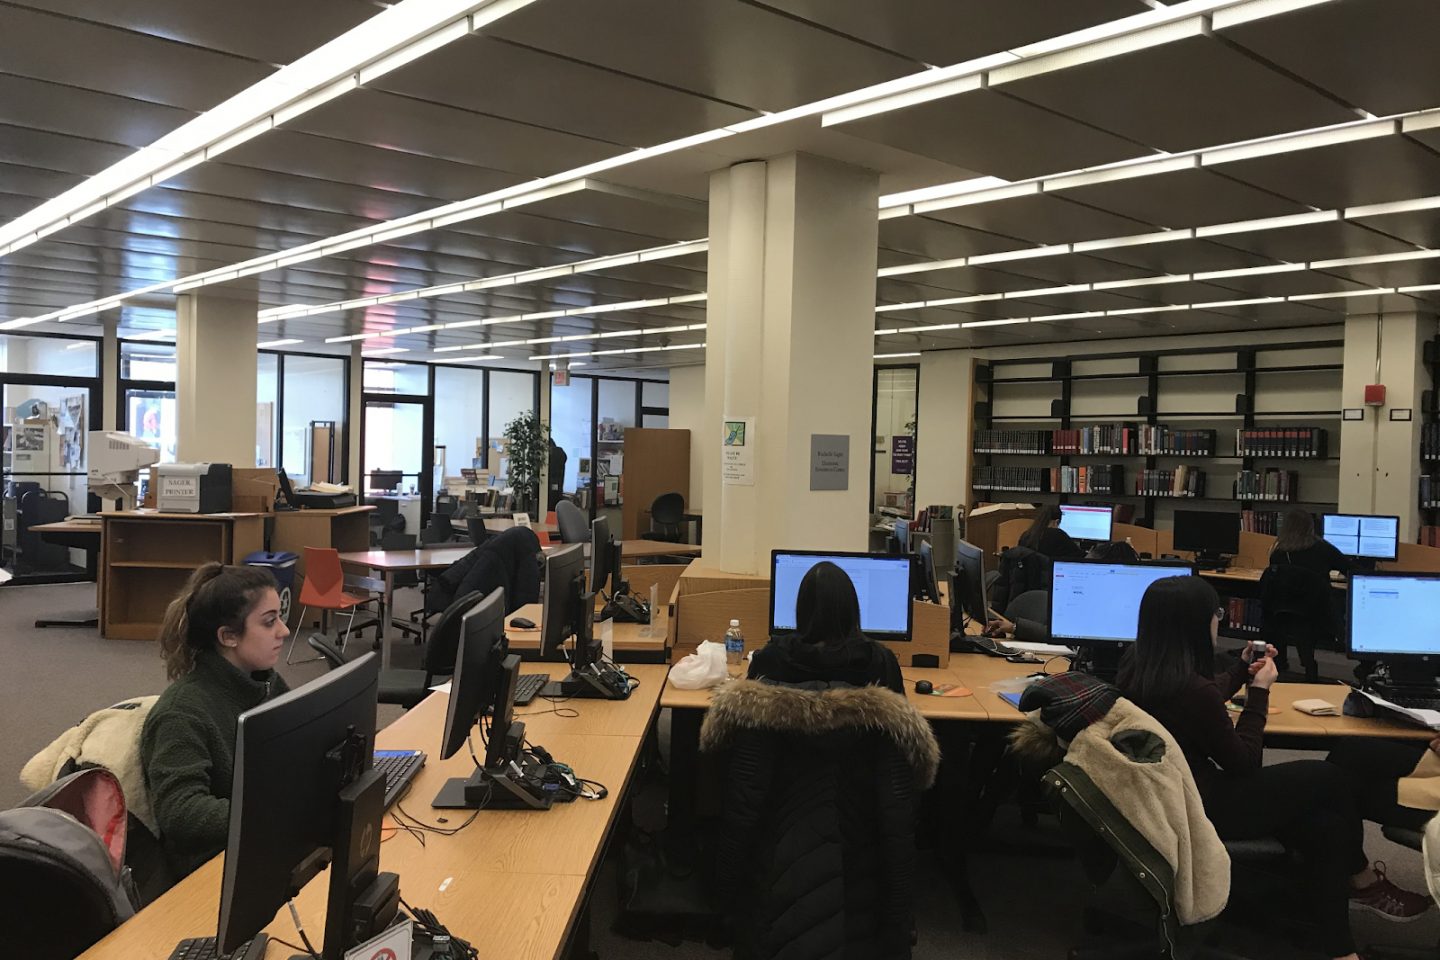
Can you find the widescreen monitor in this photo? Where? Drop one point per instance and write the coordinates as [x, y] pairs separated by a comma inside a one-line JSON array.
[[1097, 602], [1362, 536], [1087, 523], [1207, 531], [1393, 615], [881, 582]]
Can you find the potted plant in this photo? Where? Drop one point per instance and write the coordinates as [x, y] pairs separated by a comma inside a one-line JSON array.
[[529, 441]]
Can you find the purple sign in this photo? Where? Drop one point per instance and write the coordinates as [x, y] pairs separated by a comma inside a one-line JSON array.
[[902, 455]]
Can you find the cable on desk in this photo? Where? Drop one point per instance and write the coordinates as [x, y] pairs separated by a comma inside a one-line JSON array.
[[1045, 667], [431, 925], [300, 929], [287, 944]]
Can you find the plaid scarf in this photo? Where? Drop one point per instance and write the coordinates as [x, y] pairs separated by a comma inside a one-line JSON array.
[[1069, 702]]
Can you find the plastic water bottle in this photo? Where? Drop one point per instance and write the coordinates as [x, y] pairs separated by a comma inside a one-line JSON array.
[[734, 645]]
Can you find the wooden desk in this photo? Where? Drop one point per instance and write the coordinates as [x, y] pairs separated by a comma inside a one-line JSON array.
[[931, 707], [390, 562], [83, 534], [501, 524], [343, 529], [146, 557], [513, 883], [636, 549], [630, 646]]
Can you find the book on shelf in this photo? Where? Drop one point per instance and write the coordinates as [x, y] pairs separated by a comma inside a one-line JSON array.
[[1430, 536], [1182, 481], [1271, 484], [1300, 442], [1260, 521], [1020, 479], [1429, 492], [1100, 439], [1012, 441], [1430, 441], [1106, 479], [1242, 616], [1157, 439]]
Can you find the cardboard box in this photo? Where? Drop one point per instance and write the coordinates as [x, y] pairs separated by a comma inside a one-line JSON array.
[[255, 489]]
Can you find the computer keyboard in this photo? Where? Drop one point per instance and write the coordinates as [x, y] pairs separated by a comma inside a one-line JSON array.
[[528, 687], [204, 948], [1415, 702], [399, 767]]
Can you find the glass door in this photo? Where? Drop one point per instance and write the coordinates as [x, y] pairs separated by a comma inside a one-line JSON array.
[[43, 470], [398, 457]]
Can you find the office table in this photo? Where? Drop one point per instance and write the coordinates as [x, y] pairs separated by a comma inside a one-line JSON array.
[[84, 535], [630, 643], [513, 883]]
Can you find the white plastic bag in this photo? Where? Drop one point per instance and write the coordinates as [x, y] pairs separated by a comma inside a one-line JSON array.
[[704, 668]]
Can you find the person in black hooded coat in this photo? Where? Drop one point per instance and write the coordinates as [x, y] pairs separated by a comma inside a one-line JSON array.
[[509, 560], [828, 646]]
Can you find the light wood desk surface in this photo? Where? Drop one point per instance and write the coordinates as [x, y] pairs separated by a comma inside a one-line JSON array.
[[70, 525], [512, 882], [635, 549], [626, 636]]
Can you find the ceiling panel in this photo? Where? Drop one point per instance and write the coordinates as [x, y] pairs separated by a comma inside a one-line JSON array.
[[1375, 54], [1404, 274], [1282, 284], [79, 54], [956, 281], [1184, 256], [85, 113], [247, 183], [1181, 96], [1042, 218], [928, 239], [725, 49], [52, 151], [1185, 198], [994, 134], [1316, 241], [1420, 227], [479, 72], [1365, 171], [944, 32]]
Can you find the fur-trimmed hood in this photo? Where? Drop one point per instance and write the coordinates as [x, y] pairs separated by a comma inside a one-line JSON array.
[[756, 705]]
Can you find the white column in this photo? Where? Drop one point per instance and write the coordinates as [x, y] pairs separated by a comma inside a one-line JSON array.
[[355, 413], [790, 344], [943, 428], [1379, 457], [110, 398], [215, 379]]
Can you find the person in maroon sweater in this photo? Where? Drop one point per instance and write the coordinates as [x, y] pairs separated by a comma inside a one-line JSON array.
[[1310, 805]]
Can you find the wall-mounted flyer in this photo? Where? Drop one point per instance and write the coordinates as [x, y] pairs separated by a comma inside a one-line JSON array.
[[737, 455]]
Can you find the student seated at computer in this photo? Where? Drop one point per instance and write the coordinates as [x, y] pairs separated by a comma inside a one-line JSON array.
[[1311, 805], [1045, 536], [827, 645], [1026, 616], [220, 639]]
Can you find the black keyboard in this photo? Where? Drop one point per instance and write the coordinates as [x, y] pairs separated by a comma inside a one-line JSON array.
[[1415, 702], [528, 687], [399, 767], [203, 948]]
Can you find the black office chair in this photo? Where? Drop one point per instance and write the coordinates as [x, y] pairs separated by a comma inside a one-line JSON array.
[[408, 687], [440, 530], [385, 516], [479, 533], [667, 516], [1295, 610], [574, 528]]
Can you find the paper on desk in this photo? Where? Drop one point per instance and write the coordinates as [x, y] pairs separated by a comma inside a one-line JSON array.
[[1050, 649], [441, 687], [1426, 718]]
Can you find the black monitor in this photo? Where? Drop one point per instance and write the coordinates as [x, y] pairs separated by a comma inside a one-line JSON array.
[[1362, 536], [881, 582], [600, 547], [967, 586], [1208, 534], [304, 794], [385, 479], [482, 686], [1085, 522], [567, 610], [287, 489], [607, 578], [928, 587]]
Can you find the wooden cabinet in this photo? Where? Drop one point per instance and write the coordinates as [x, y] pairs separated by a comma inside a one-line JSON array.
[[656, 462]]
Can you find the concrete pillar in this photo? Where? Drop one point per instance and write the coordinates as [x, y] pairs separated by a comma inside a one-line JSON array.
[[945, 417], [110, 398], [1379, 457], [790, 343], [215, 379], [354, 416]]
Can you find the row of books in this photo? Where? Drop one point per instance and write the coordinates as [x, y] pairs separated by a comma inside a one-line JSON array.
[[1156, 439], [1022, 479], [1179, 481], [1013, 441], [1242, 617], [1101, 439], [1430, 441], [1260, 521], [1304, 442], [1272, 484], [1430, 536], [1430, 492], [1106, 479]]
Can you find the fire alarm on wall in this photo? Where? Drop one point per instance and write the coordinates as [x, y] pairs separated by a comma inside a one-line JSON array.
[[1375, 394]]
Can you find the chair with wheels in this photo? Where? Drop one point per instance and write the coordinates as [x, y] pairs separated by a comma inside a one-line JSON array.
[[574, 528], [330, 589], [386, 516], [667, 519], [479, 533]]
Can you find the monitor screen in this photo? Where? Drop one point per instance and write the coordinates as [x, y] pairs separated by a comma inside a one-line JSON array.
[[1394, 614], [1207, 531], [1357, 535], [1087, 523], [881, 582], [1101, 601]]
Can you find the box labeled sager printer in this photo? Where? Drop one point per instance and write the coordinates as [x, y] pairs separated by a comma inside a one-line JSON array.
[[194, 487]]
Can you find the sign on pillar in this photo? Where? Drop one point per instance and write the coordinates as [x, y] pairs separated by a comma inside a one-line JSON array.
[[829, 461], [737, 456]]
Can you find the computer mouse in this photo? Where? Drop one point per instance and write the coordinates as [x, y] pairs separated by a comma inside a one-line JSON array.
[[521, 623], [924, 686]]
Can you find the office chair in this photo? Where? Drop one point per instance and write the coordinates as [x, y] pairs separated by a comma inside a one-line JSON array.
[[1295, 610], [667, 515], [574, 528], [479, 533], [408, 687], [384, 517], [325, 589]]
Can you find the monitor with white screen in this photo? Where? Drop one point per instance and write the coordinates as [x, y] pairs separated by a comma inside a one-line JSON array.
[[1094, 601], [881, 582], [1362, 536], [1087, 523], [1393, 614]]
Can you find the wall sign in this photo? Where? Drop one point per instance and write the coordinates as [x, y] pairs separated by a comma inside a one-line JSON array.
[[902, 455], [737, 455], [1353, 413], [830, 461], [1400, 413]]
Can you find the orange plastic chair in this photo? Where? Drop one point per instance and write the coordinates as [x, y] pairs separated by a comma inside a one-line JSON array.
[[324, 589]]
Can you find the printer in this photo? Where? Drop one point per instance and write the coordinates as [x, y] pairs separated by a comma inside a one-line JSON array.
[[193, 487]]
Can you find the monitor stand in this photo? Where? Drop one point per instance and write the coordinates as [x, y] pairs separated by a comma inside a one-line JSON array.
[[506, 784], [1100, 660], [590, 677], [1210, 560], [1406, 675], [622, 605]]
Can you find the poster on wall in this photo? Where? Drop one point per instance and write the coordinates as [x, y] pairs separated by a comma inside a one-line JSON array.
[[902, 455], [829, 461], [737, 455]]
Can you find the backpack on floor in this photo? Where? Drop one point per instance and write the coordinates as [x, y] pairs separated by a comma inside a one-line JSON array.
[[62, 863]]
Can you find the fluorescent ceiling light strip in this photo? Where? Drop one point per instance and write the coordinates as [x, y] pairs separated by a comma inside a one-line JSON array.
[[890, 307], [1029, 253], [943, 190], [972, 298], [19, 322], [1120, 171], [286, 342], [1092, 52], [1046, 291], [974, 197], [925, 267], [1376, 258], [1308, 140], [475, 359], [993, 323], [1257, 10], [1141, 281], [1269, 223], [1398, 206], [1136, 311], [891, 356], [1083, 315], [1341, 294], [1249, 271], [1134, 240], [383, 351], [1418, 288]]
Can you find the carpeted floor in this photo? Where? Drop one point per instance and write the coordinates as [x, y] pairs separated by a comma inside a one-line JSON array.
[[53, 677]]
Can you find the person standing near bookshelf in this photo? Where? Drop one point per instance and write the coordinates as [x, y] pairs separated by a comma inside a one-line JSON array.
[[1045, 536], [1298, 545]]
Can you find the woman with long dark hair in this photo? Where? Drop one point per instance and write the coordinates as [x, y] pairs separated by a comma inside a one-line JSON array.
[[1045, 536], [1298, 545], [827, 644], [1310, 805]]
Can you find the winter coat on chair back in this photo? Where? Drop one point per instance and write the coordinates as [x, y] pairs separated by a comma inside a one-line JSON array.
[[816, 853]]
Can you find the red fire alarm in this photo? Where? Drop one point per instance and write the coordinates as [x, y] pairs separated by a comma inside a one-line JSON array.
[[1375, 394]]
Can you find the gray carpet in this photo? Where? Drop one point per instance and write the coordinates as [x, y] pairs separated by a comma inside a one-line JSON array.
[[53, 677]]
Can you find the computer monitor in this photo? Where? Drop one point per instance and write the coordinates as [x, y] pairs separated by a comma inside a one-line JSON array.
[[600, 550], [287, 489], [607, 578], [1086, 522], [1392, 615], [881, 582], [567, 610], [929, 586], [385, 479], [483, 685], [1362, 536], [967, 585], [1207, 533], [1097, 602], [303, 794]]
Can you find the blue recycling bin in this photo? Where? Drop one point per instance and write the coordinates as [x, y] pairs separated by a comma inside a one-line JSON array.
[[282, 565]]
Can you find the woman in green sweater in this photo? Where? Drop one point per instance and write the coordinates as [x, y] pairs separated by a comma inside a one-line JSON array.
[[221, 639]]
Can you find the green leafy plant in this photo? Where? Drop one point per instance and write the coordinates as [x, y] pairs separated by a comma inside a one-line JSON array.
[[529, 440]]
